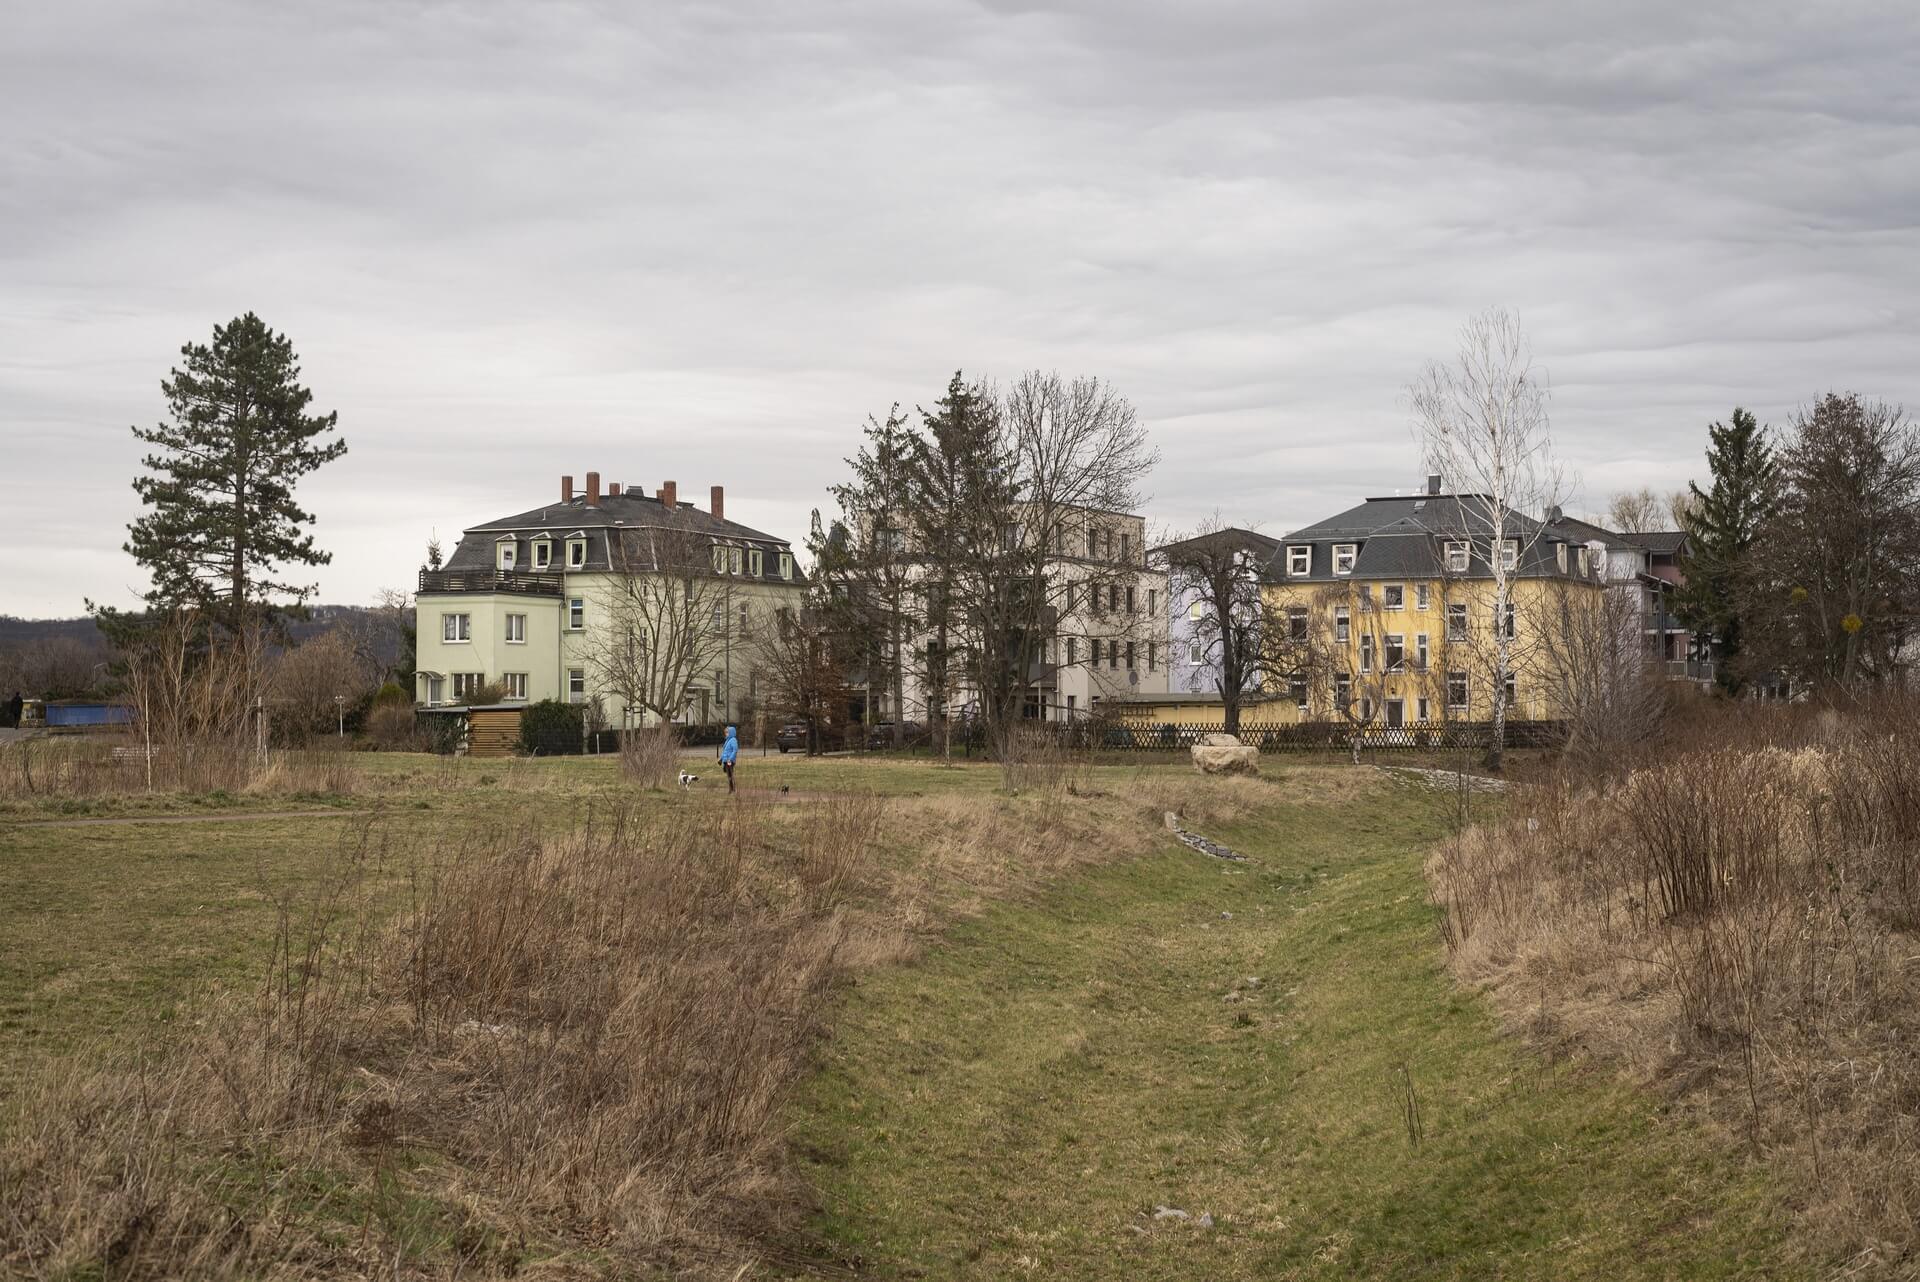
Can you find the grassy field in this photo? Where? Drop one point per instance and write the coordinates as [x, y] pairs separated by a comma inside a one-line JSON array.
[[1077, 1041], [1244, 1041]]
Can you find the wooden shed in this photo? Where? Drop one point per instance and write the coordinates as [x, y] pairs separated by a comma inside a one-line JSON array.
[[493, 731]]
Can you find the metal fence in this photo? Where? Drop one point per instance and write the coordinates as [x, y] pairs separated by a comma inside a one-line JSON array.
[[1319, 736]]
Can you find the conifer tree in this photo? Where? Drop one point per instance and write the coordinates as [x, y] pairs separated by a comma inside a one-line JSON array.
[[222, 524], [1723, 522]]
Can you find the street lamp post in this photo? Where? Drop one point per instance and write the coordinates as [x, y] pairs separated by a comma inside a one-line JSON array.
[[340, 711]]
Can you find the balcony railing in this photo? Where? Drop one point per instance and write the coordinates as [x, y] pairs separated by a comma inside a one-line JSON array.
[[525, 584]]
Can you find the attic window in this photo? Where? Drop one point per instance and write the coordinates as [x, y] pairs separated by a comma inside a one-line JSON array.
[[756, 563], [1343, 554], [786, 565], [1299, 559], [576, 552], [719, 559], [506, 554], [1456, 558], [542, 553]]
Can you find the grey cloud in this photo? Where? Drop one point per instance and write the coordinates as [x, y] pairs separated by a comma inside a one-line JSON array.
[[704, 241]]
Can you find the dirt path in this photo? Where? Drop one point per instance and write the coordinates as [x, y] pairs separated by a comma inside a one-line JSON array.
[[181, 819]]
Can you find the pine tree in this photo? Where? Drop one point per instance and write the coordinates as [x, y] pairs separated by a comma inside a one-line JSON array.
[[1723, 523], [222, 521]]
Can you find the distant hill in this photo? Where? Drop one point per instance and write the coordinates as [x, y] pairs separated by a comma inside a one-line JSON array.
[[16, 633]]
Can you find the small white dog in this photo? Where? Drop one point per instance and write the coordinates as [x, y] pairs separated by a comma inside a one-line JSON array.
[[687, 781]]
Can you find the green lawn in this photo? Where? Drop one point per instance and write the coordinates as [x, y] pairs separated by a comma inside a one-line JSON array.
[[1022, 1099]]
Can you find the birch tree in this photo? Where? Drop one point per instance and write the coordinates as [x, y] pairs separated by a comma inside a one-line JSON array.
[[1481, 422]]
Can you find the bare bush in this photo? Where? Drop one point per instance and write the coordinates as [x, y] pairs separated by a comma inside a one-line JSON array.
[[650, 756]]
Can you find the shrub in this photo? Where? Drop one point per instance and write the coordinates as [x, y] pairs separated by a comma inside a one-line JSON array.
[[551, 728], [392, 727]]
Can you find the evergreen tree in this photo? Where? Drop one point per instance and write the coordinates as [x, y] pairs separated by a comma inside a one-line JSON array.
[[1723, 522], [221, 521]]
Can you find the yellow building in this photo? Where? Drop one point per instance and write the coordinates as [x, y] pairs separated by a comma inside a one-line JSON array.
[[1385, 612]]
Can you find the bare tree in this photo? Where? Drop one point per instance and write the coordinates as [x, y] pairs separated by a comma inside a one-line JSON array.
[[1218, 568], [1832, 593], [315, 683], [1482, 424], [1638, 511], [1604, 685], [801, 661], [661, 622]]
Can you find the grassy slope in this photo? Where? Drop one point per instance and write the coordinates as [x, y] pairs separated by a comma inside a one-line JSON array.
[[1017, 1100]]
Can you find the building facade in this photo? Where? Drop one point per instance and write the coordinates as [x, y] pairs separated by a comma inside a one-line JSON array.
[[1390, 608], [527, 606], [1103, 622]]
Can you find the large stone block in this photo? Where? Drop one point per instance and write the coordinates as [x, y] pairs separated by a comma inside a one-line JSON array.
[[1217, 740], [1223, 760]]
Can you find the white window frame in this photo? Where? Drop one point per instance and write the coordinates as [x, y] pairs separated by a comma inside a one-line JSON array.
[[456, 629], [542, 553], [786, 565], [1509, 554], [1420, 652], [506, 555], [1299, 559], [576, 685], [465, 684], [1298, 690], [1425, 712], [1458, 556], [1513, 621], [1395, 641], [1298, 622], [1344, 555], [516, 684], [1466, 692], [1393, 596], [576, 614], [516, 635], [1421, 599], [576, 553], [735, 558], [757, 563], [1366, 652], [436, 690], [719, 558], [1342, 624], [1456, 610], [1560, 556]]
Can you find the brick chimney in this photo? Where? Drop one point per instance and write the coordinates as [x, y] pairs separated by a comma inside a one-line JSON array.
[[1433, 482], [613, 489], [717, 503], [593, 489], [670, 494], [566, 489]]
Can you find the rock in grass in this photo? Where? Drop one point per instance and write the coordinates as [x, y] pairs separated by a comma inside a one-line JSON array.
[[1170, 1213], [1210, 759]]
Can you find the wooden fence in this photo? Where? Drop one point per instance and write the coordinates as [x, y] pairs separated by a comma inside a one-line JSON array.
[[1314, 736]]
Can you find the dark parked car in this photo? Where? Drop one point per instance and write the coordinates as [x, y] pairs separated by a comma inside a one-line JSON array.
[[792, 735], [880, 734]]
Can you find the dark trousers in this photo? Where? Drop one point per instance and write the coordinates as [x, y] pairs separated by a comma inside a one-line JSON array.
[[728, 767]]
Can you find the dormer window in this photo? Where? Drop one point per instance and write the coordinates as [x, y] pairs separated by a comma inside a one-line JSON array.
[[1560, 556], [506, 554], [576, 551], [786, 565], [1299, 559], [1343, 554], [1509, 553], [542, 553], [1456, 553], [756, 563], [719, 559]]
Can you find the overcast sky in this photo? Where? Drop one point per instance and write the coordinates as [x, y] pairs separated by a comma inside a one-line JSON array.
[[703, 242]]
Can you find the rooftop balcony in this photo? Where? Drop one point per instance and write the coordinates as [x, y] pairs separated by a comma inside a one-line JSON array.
[[515, 581]]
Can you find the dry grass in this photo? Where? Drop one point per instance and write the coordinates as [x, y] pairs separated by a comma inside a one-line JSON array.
[[650, 756], [567, 1058], [1736, 924]]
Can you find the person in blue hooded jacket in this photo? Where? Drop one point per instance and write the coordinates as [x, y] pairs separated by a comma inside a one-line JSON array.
[[728, 751]]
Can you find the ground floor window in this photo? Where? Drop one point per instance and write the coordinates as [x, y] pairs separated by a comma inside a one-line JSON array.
[[1421, 711], [468, 684], [516, 683], [1456, 692], [436, 690], [576, 685]]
